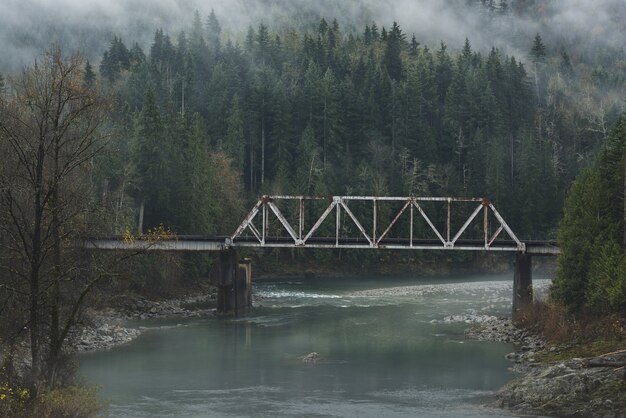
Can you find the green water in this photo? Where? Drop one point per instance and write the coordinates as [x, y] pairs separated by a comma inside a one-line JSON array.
[[385, 353]]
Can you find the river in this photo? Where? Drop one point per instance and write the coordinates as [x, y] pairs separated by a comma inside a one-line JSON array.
[[385, 350]]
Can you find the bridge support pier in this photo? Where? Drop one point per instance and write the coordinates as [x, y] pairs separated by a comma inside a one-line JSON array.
[[522, 284], [233, 277]]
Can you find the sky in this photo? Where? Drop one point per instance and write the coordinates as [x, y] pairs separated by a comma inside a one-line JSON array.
[[28, 27]]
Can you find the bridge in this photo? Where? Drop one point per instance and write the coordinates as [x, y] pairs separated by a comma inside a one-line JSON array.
[[352, 222]]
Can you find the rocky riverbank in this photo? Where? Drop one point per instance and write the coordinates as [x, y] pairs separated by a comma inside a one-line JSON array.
[[104, 329], [579, 387]]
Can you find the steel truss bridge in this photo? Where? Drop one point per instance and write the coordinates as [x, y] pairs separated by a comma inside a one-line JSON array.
[[356, 222]]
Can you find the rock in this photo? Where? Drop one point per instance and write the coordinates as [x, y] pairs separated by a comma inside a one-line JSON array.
[[311, 358]]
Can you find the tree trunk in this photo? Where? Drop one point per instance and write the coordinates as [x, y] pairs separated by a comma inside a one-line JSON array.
[[141, 210], [262, 151], [54, 337], [251, 166], [35, 261], [324, 133]]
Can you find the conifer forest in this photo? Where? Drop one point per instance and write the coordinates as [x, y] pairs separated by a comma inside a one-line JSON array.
[[151, 119]]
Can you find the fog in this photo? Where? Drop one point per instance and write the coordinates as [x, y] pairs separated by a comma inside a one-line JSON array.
[[27, 27]]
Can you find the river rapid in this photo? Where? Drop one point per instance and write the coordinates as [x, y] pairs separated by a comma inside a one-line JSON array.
[[388, 347]]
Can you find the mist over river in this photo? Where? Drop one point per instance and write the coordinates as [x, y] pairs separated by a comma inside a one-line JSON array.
[[387, 348]]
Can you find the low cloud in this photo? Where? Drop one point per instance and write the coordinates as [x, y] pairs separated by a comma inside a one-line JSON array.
[[27, 27]]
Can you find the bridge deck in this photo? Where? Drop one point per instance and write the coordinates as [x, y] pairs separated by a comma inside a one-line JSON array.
[[200, 243]]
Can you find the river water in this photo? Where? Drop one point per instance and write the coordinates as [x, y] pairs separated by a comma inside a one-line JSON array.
[[386, 351]]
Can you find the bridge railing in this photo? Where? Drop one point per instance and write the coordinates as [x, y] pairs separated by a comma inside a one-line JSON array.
[[257, 222]]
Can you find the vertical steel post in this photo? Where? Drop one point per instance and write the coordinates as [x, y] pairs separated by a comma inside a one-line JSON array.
[[486, 225], [264, 214], [411, 231], [448, 224], [337, 228], [301, 219], [374, 222]]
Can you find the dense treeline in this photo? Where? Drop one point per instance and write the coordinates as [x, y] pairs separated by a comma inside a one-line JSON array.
[[592, 234], [328, 112]]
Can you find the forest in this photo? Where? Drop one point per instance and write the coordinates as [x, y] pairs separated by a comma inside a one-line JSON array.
[[181, 134], [371, 113]]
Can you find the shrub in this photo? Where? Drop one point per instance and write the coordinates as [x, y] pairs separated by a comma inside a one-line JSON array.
[[71, 401]]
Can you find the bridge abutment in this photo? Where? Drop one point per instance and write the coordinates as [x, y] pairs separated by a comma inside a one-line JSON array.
[[522, 283], [233, 277]]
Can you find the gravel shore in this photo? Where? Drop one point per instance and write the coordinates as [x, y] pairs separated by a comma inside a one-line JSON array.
[[107, 328]]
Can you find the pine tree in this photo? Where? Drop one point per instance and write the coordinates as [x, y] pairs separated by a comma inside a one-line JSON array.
[[150, 155], [89, 77], [234, 142], [592, 264], [262, 44], [375, 35], [108, 69], [414, 48], [214, 29], [367, 35], [538, 50], [250, 40], [391, 59], [580, 225]]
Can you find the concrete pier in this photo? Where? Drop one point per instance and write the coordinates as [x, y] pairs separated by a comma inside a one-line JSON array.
[[522, 283], [233, 278]]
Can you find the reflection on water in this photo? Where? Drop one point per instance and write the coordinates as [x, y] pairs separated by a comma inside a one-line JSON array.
[[383, 354]]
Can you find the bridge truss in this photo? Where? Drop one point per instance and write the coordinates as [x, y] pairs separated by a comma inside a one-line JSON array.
[[267, 225]]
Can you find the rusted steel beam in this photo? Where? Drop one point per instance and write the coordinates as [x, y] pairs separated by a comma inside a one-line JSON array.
[[380, 198], [406, 205], [255, 232], [356, 222], [301, 220], [411, 230], [495, 235], [486, 225], [520, 245], [337, 225], [284, 222], [449, 220], [247, 219], [267, 203], [321, 219], [429, 222], [467, 223]]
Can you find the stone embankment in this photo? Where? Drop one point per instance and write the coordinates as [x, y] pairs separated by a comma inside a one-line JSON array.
[[578, 387], [106, 328]]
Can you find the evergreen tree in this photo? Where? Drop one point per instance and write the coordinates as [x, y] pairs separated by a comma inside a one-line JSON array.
[[137, 57], [414, 48], [392, 60], [580, 225], [538, 51], [375, 34], [367, 35], [234, 142], [592, 235], [89, 77], [262, 44], [214, 29], [150, 154]]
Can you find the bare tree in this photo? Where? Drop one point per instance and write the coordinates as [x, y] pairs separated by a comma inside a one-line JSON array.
[[50, 130]]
